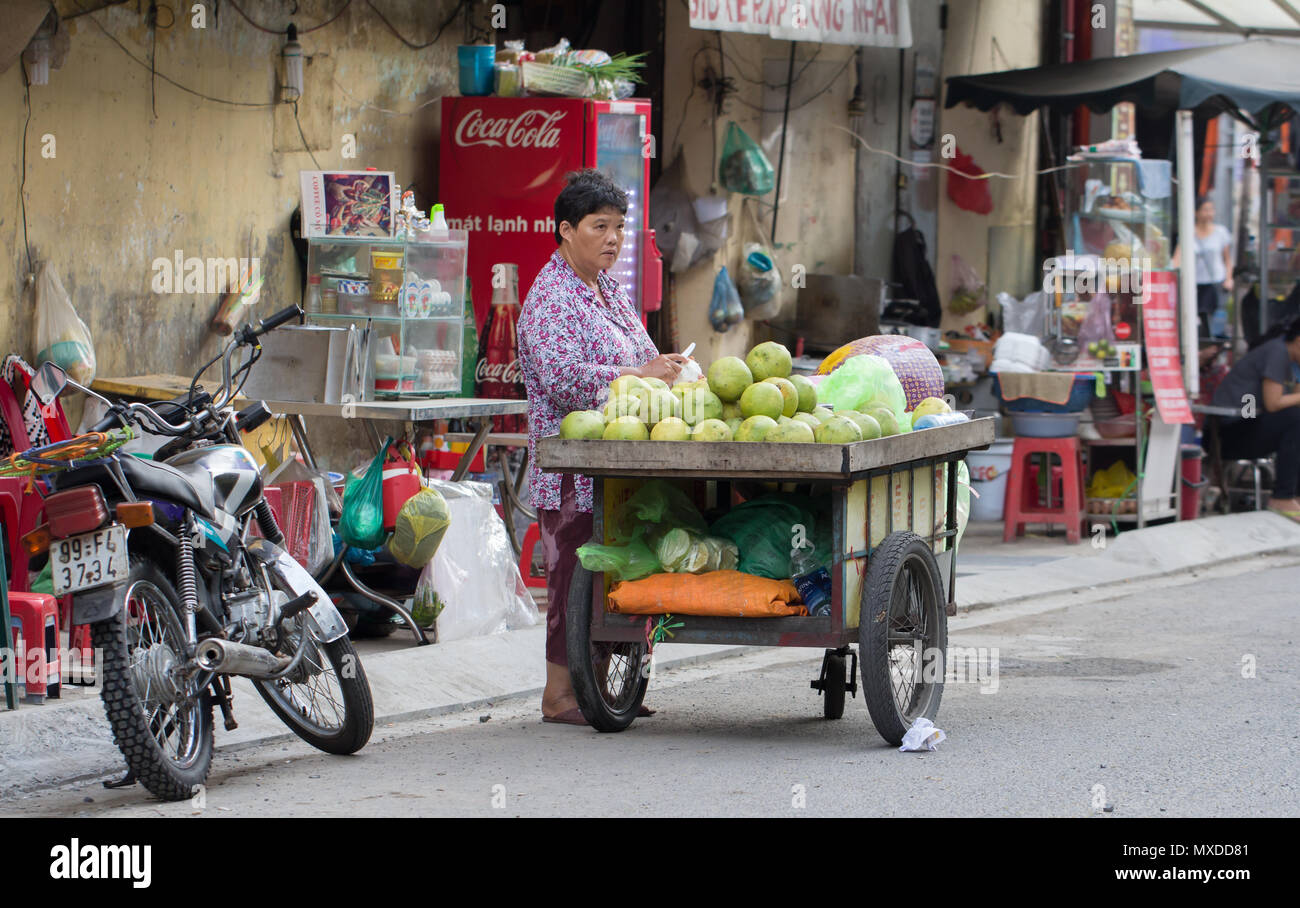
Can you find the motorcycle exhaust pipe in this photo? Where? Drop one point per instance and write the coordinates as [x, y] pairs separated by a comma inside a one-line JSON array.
[[225, 657]]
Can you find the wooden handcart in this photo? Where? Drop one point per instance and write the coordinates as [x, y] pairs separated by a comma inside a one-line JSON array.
[[893, 574]]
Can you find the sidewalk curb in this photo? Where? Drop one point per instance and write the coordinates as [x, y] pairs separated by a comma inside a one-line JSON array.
[[1148, 554]]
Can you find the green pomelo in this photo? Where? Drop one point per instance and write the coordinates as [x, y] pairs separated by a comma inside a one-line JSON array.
[[655, 383], [729, 377], [755, 428], [788, 391], [823, 413], [671, 429], [711, 430], [731, 410], [762, 399], [809, 420], [663, 404], [625, 383], [869, 427], [583, 424], [838, 430], [888, 421], [807, 392], [733, 424], [701, 404], [790, 432], [626, 428], [769, 359]]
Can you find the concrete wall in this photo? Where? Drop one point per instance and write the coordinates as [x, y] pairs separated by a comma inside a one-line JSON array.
[[985, 37], [124, 186], [815, 225]]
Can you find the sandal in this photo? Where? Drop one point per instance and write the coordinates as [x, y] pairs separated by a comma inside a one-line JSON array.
[[1292, 514], [568, 717]]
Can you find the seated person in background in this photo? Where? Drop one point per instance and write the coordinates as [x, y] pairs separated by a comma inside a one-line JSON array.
[[1261, 387]]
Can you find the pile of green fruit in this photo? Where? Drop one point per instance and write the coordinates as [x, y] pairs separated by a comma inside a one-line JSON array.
[[1102, 349], [754, 399]]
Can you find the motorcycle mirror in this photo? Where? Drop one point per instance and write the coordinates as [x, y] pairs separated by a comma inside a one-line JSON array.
[[48, 383]]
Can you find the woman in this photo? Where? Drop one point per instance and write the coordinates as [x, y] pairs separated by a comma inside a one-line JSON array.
[[577, 333], [1261, 386], [1213, 262]]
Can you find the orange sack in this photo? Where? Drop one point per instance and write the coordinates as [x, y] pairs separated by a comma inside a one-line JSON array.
[[725, 593]]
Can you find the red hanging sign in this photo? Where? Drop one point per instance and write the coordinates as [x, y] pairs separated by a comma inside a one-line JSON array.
[[1160, 334]]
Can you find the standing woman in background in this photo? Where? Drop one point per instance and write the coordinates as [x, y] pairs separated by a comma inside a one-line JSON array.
[[1213, 247]]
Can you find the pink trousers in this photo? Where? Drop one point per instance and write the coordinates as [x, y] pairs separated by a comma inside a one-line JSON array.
[[562, 532]]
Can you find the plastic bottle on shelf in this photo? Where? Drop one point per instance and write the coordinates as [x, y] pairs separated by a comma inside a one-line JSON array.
[[438, 228], [812, 581], [312, 303]]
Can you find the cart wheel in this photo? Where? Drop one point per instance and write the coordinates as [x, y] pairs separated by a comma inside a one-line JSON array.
[[903, 635], [833, 686], [607, 677]]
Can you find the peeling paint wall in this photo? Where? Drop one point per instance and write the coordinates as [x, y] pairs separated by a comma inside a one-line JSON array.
[[815, 226], [124, 187]]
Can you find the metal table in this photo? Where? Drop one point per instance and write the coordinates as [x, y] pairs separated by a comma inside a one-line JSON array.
[[478, 410]]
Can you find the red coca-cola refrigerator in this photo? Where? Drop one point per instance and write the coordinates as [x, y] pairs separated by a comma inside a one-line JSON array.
[[503, 161]]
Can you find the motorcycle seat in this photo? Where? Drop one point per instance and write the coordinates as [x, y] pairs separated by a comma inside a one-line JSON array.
[[193, 489]]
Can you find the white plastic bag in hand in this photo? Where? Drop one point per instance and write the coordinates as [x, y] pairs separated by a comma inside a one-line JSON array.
[[61, 337]]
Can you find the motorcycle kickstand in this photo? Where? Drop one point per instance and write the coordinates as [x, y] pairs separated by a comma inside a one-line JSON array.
[[221, 691], [125, 782]]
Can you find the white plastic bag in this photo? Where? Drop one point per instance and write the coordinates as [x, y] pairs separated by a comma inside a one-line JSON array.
[[61, 337], [475, 572]]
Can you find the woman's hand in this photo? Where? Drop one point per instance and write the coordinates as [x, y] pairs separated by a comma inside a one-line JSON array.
[[666, 366]]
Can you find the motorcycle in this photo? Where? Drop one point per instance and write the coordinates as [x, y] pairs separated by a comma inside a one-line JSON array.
[[159, 560]]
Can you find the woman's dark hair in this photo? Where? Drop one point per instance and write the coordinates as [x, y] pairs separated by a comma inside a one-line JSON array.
[[586, 192], [1201, 200], [1292, 330]]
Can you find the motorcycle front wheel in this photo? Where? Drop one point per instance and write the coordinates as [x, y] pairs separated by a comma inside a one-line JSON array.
[[161, 720], [326, 700]]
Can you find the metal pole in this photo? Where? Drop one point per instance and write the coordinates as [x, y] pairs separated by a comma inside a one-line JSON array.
[[1187, 241], [785, 120]]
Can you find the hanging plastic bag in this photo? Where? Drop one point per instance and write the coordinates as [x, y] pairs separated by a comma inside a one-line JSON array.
[[759, 278], [969, 187], [622, 562], [61, 337], [1096, 324], [419, 529], [362, 523], [863, 378], [725, 309], [1027, 316], [744, 168], [968, 292], [426, 605]]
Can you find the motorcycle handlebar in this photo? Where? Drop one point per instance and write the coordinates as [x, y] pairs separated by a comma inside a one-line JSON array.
[[284, 315]]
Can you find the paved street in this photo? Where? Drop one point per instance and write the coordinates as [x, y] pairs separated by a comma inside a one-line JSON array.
[[1136, 701]]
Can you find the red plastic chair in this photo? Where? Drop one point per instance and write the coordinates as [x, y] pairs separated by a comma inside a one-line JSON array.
[[1022, 504], [35, 618], [531, 537]]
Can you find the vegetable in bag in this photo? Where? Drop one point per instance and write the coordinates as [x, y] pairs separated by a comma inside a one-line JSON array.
[[744, 168], [725, 309]]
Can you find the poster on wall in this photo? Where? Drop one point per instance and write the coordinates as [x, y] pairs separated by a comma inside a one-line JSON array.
[[872, 23], [348, 202]]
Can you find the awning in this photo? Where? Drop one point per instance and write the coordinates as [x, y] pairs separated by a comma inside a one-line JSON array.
[[1260, 77], [877, 23]]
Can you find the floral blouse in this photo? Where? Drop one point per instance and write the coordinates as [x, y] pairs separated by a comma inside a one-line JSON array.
[[571, 346]]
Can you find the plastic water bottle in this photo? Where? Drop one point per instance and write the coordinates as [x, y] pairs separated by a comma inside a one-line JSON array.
[[812, 581], [1219, 323]]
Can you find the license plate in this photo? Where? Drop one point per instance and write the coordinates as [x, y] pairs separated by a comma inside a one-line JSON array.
[[88, 560]]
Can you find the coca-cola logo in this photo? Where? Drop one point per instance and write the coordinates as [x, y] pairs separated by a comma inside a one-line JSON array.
[[530, 129], [502, 373]]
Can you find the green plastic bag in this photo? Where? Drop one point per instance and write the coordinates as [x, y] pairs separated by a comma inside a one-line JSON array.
[[622, 562], [420, 526], [862, 378], [744, 168], [765, 530], [654, 509], [362, 522]]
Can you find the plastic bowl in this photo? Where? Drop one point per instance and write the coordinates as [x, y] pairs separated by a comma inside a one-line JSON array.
[[1045, 425], [1119, 427], [1080, 394]]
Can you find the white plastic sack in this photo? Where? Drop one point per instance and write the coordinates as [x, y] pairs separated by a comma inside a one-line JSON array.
[[61, 337], [1019, 353], [475, 571]]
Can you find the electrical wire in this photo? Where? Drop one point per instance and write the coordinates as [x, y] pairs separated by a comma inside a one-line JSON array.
[[983, 176], [413, 46], [806, 101], [363, 105], [285, 30], [22, 185], [171, 81], [303, 136]]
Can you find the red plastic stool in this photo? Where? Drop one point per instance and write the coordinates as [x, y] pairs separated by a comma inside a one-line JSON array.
[[531, 538], [35, 619], [1022, 500]]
